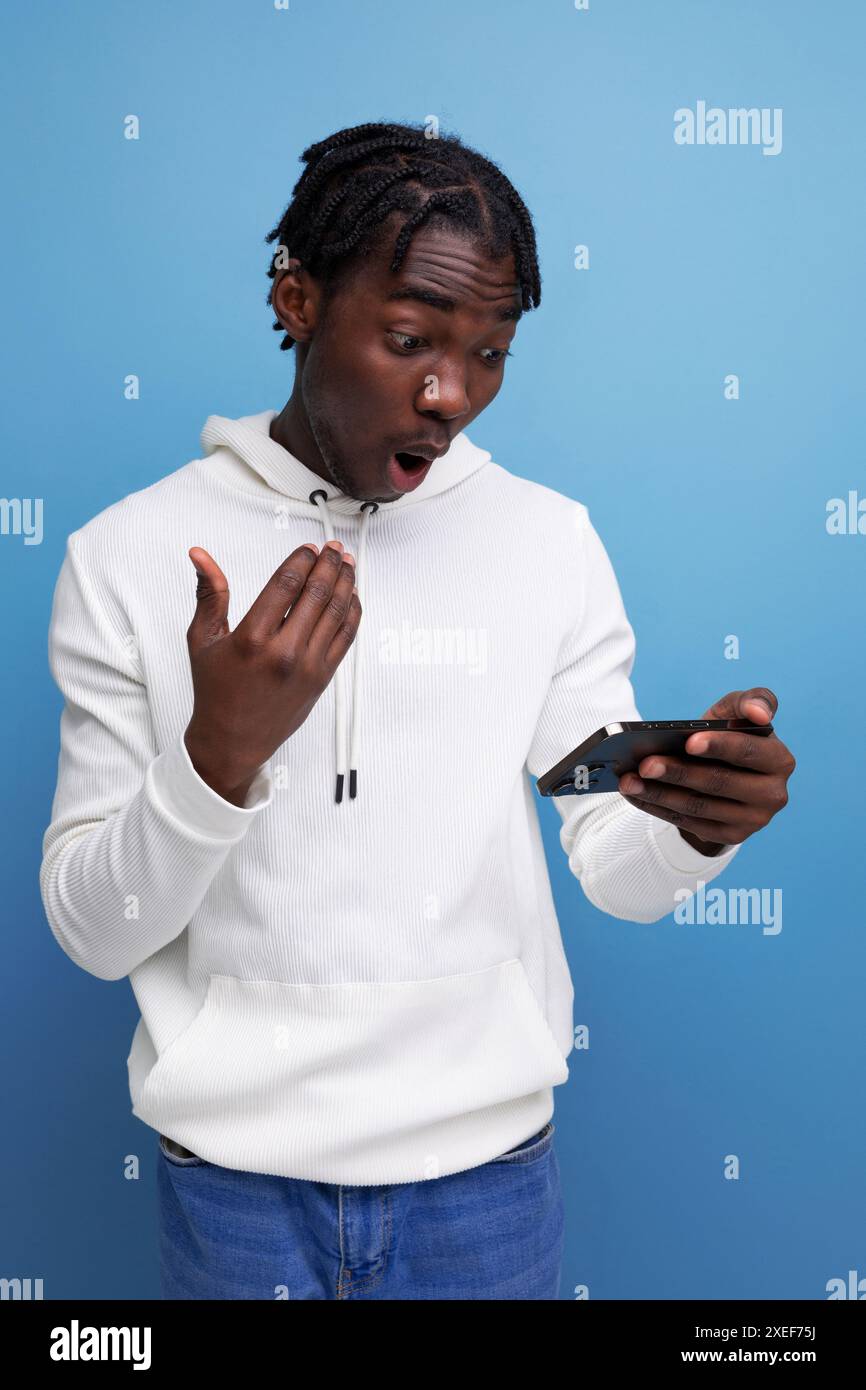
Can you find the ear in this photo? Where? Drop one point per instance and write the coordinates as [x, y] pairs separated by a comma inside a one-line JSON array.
[[295, 298]]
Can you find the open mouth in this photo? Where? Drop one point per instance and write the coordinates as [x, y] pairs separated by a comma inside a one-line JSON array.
[[411, 463], [407, 471]]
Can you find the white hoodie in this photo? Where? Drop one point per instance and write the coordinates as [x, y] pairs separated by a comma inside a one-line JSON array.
[[372, 989]]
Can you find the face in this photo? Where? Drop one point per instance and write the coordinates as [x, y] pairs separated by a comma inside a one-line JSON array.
[[396, 360]]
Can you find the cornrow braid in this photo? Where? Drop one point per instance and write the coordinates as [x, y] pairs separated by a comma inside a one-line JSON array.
[[357, 177]]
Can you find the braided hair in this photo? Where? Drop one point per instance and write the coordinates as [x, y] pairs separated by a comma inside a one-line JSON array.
[[357, 177]]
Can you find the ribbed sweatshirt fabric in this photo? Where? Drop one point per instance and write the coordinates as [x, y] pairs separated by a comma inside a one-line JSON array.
[[372, 989]]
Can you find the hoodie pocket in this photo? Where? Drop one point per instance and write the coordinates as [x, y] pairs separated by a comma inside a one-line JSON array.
[[535, 1147], [177, 1154], [358, 1082]]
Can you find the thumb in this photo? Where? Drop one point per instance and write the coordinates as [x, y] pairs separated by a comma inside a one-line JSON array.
[[210, 620], [757, 704]]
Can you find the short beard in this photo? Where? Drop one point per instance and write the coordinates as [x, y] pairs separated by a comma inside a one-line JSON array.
[[321, 431], [329, 452], [320, 428]]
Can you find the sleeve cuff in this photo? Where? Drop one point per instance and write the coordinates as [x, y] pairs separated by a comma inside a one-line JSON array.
[[683, 856], [185, 796]]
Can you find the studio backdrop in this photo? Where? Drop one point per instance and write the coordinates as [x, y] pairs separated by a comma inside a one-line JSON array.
[[694, 375]]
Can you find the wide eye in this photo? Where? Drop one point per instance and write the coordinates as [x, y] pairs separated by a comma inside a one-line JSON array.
[[405, 340], [409, 342]]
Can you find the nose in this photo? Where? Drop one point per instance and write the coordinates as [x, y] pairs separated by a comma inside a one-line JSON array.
[[444, 393]]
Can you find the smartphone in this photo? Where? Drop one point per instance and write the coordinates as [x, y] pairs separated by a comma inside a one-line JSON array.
[[597, 764]]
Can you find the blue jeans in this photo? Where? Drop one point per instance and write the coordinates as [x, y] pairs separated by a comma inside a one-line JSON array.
[[492, 1232]]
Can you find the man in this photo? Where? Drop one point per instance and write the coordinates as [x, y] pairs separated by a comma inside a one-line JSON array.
[[354, 998]]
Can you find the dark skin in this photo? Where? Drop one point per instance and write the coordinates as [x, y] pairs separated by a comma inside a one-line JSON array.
[[739, 788], [372, 373], [364, 363]]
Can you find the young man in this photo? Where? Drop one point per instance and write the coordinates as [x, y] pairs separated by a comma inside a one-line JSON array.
[[303, 822]]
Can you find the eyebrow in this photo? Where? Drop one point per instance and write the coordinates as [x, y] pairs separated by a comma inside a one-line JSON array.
[[441, 301]]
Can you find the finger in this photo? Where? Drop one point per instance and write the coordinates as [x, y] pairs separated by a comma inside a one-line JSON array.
[[708, 778], [714, 831], [267, 611], [758, 751], [345, 634], [696, 804], [210, 619], [334, 615], [310, 604], [757, 704]]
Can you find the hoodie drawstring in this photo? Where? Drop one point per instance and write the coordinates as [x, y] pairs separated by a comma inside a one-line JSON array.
[[320, 498]]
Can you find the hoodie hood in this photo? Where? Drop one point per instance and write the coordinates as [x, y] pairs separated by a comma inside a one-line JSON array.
[[242, 450], [248, 439]]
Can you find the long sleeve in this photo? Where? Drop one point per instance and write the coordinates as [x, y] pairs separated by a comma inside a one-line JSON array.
[[629, 863], [136, 836]]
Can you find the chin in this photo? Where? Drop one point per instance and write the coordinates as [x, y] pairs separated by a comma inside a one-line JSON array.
[[362, 494]]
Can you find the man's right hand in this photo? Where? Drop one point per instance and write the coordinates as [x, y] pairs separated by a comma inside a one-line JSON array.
[[255, 686]]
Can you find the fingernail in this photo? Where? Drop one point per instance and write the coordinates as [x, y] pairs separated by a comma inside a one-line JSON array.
[[699, 744], [653, 769], [348, 557], [631, 784], [334, 545]]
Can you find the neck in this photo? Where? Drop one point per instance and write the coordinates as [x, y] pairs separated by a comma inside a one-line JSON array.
[[291, 429]]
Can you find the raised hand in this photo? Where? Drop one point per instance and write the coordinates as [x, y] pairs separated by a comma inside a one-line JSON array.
[[255, 686]]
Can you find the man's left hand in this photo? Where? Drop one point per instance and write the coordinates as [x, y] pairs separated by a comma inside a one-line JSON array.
[[739, 788]]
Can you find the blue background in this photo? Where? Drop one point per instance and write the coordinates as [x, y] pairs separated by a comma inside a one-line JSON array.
[[148, 257]]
